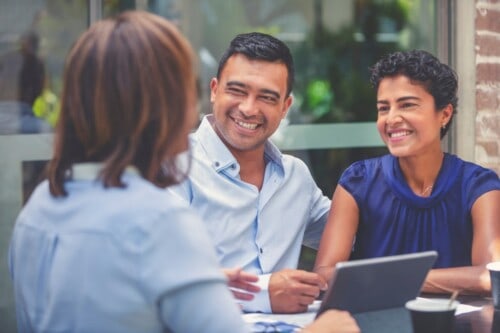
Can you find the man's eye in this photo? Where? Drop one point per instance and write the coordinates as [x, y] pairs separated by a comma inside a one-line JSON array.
[[382, 109], [269, 99], [235, 91]]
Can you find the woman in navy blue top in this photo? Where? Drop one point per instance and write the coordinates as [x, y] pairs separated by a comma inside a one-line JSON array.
[[417, 198]]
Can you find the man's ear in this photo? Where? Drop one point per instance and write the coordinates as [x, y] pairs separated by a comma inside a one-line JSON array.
[[286, 105], [213, 88]]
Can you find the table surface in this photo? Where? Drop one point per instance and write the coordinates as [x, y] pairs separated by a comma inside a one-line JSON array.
[[474, 315]]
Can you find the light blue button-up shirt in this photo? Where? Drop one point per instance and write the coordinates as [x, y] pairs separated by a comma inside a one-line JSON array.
[[116, 260], [260, 231]]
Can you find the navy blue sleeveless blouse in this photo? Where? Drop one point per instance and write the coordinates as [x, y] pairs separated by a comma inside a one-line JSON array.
[[394, 220]]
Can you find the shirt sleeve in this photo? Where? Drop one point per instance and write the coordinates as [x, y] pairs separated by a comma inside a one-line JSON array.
[[176, 251], [205, 307], [354, 181], [479, 182], [319, 208], [261, 302], [179, 272]]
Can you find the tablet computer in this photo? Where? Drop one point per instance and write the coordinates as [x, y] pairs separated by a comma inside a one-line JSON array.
[[377, 283]]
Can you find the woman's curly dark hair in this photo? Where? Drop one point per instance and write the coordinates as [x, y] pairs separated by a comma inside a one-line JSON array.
[[423, 68]]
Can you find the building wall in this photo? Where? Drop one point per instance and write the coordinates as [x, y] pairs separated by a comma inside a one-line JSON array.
[[487, 62]]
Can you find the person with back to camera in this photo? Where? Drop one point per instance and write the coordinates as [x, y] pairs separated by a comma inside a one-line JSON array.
[[258, 204], [417, 198], [97, 248]]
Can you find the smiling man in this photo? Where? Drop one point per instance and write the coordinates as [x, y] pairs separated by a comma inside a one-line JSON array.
[[258, 204]]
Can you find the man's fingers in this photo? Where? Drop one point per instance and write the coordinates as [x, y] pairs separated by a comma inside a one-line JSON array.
[[301, 289], [306, 300], [292, 291], [311, 278]]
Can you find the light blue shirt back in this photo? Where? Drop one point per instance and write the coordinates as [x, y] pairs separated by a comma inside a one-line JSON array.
[[116, 260]]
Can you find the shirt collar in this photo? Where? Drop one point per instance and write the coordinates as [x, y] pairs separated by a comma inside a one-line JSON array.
[[92, 170], [221, 156]]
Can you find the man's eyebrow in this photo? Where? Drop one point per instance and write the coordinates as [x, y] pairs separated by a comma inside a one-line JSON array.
[[236, 83]]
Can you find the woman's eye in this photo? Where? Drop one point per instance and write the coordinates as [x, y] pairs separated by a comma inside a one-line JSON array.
[[407, 105]]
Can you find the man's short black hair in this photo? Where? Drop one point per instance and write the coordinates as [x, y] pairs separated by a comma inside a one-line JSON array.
[[260, 46]]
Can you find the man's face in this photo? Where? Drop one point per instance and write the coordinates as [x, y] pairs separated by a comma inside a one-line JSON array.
[[249, 100]]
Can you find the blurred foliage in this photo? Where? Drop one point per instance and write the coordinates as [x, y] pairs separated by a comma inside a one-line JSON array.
[[47, 107], [341, 60], [318, 98]]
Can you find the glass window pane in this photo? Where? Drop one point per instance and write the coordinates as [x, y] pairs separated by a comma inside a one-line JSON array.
[[112, 7], [333, 43], [34, 39], [35, 36]]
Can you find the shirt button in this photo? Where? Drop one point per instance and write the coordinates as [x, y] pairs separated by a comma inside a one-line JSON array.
[[216, 164], [233, 166], [261, 251]]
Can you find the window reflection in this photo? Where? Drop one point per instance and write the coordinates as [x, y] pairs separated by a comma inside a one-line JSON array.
[[34, 40], [22, 79]]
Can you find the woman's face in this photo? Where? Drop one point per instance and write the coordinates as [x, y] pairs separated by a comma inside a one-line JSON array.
[[408, 121]]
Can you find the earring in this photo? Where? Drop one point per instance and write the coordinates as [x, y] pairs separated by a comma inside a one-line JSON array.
[[443, 126]]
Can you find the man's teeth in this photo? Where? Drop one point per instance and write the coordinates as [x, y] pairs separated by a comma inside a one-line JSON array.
[[399, 134], [246, 125]]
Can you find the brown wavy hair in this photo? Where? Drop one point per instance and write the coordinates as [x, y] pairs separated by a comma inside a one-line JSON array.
[[129, 87]]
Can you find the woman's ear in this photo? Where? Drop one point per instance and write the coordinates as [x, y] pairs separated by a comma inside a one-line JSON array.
[[446, 114]]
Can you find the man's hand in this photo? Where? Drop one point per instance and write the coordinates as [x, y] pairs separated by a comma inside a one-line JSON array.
[[292, 290], [241, 283], [333, 321]]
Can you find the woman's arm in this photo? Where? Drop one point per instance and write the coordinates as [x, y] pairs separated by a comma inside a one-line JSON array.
[[338, 236], [485, 248]]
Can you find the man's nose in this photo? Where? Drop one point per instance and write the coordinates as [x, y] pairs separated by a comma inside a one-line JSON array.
[[248, 106]]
